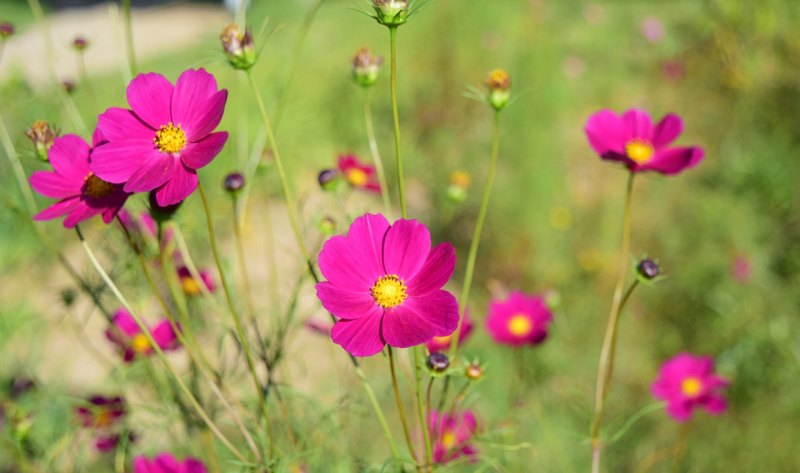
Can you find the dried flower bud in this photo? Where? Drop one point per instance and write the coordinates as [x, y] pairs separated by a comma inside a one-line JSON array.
[[6, 30], [328, 179], [233, 183], [68, 85], [474, 371], [438, 362], [80, 43], [391, 13], [648, 269], [366, 67], [499, 84], [41, 135], [238, 47]]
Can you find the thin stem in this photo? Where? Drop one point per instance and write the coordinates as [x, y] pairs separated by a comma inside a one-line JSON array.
[[401, 410], [237, 230], [680, 446], [376, 154], [84, 75], [189, 262], [126, 10], [606, 365], [377, 408], [396, 118], [157, 349], [476, 233], [421, 411]]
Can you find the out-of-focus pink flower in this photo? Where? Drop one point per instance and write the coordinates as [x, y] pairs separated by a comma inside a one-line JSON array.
[[441, 344], [166, 463], [190, 286], [652, 29], [633, 141], [519, 320], [741, 269], [103, 415], [452, 435], [687, 382], [320, 327], [673, 70], [358, 174], [127, 335]]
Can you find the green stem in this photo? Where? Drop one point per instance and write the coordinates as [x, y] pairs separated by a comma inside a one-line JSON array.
[[376, 155], [84, 76], [476, 233], [396, 118], [237, 230], [606, 365], [373, 400], [401, 410], [421, 411], [126, 10]]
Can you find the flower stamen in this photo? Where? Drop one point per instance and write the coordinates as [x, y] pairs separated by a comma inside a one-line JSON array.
[[691, 386], [520, 325], [639, 150], [389, 291], [97, 188], [170, 139]]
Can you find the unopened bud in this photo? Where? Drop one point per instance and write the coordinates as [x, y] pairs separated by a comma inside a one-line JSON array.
[[438, 362], [391, 13], [499, 85], [648, 269], [474, 371], [6, 30], [328, 179], [68, 85], [327, 226], [238, 47], [68, 296], [233, 183], [80, 43], [41, 135], [366, 67], [459, 185]]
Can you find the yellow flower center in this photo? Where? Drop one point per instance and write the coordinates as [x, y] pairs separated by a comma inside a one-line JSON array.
[[103, 419], [170, 139], [448, 440], [140, 343], [520, 325], [357, 177], [639, 151], [389, 291], [691, 386], [190, 286], [499, 80], [95, 187]]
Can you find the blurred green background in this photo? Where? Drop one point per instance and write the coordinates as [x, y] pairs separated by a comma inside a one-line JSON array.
[[725, 232]]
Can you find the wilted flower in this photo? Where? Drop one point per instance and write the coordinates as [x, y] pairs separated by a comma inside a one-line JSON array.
[[687, 382], [437, 344], [42, 135], [452, 435], [191, 286], [160, 144], [499, 85], [80, 43], [633, 141], [358, 174], [127, 335], [166, 463], [366, 67], [384, 285], [6, 30], [238, 47], [391, 13], [82, 194], [519, 320]]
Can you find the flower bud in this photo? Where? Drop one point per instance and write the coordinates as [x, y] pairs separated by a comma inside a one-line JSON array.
[[366, 67], [327, 226], [391, 13], [499, 84], [6, 30], [474, 371], [438, 362], [80, 43], [648, 269], [233, 183], [68, 296], [68, 85], [42, 136], [459, 185], [238, 47], [328, 179]]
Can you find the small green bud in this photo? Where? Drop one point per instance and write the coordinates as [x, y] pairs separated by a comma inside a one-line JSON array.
[[499, 84], [238, 47], [391, 13], [327, 226], [366, 67]]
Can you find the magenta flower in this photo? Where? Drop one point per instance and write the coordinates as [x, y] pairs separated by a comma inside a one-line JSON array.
[[686, 382], [190, 286], [451, 435], [519, 320], [635, 142], [82, 194], [103, 415], [166, 463], [166, 138], [127, 335], [384, 285], [358, 174], [442, 344]]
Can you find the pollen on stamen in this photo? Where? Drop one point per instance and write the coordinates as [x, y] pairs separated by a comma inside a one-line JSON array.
[[389, 291], [170, 139], [97, 188], [639, 151]]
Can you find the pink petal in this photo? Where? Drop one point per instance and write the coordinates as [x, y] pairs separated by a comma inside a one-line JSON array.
[[638, 125], [154, 171], [81, 213], [150, 96], [116, 161], [179, 187], [199, 125], [667, 130], [345, 304], [59, 209], [191, 465], [606, 132], [355, 261], [166, 463], [164, 335], [142, 465], [436, 271], [715, 405], [416, 320], [199, 154], [125, 322], [673, 160], [69, 157], [196, 103], [680, 411], [55, 186], [121, 124], [359, 337], [405, 248]]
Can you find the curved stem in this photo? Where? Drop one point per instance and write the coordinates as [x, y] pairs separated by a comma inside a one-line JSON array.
[[376, 155], [476, 233], [396, 118], [377, 408], [126, 9], [401, 410], [606, 365]]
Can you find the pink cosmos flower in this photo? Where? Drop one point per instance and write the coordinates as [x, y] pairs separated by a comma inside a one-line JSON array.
[[103, 415], [451, 435], [82, 194], [384, 285], [687, 382], [633, 141], [166, 138], [127, 335], [519, 320], [652, 29], [166, 463], [190, 286], [358, 174], [741, 269], [442, 344]]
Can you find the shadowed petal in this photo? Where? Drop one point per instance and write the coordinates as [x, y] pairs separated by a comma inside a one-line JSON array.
[[359, 337], [59, 209], [69, 157], [199, 154], [166, 463], [436, 271], [346, 304], [150, 96], [406, 247], [121, 124], [680, 410], [180, 186], [638, 125], [418, 319], [116, 161], [203, 122], [152, 173], [606, 132], [125, 322], [715, 404], [354, 261], [81, 213], [673, 160], [55, 186], [667, 130]]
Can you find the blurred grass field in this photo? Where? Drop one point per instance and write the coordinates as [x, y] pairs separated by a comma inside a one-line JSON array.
[[731, 69]]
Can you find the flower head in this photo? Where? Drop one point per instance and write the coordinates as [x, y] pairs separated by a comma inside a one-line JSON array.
[[233, 183], [687, 382], [384, 285], [366, 67], [238, 47], [391, 13], [167, 136], [82, 194], [441, 344], [127, 335], [166, 463], [191, 286], [358, 174], [42, 135], [80, 43], [452, 435], [499, 85], [633, 141], [519, 320], [104, 416], [6, 30]]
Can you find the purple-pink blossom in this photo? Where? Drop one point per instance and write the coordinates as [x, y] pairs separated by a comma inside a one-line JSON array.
[[132, 342], [441, 344], [358, 174], [81, 193], [384, 285], [688, 382], [167, 136], [166, 463], [519, 320], [633, 141], [452, 435]]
